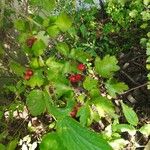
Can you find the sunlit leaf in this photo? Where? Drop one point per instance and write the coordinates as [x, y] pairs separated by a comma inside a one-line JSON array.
[[130, 114], [35, 102], [74, 136], [51, 141], [63, 48], [113, 87], [106, 66], [63, 22], [145, 129]]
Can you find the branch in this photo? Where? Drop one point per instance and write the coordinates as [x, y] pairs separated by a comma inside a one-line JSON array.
[[135, 88]]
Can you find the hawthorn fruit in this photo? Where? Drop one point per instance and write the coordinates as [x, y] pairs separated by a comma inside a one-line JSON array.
[[28, 74], [81, 67], [72, 78], [75, 78], [30, 41], [78, 77], [26, 77]]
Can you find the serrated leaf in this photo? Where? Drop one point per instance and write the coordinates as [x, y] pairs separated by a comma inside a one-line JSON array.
[[54, 65], [53, 31], [113, 87], [20, 25], [80, 55], [106, 66], [37, 79], [84, 114], [75, 137], [125, 128], [94, 93], [104, 106], [48, 5], [35, 102], [145, 129], [63, 48], [34, 63], [62, 89], [45, 38], [90, 83], [17, 68], [63, 22], [38, 47], [129, 114], [51, 141]]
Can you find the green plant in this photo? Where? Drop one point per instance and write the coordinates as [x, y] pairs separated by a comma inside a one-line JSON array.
[[62, 78]]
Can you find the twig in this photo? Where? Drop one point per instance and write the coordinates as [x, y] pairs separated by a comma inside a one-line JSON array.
[[134, 88], [129, 77]]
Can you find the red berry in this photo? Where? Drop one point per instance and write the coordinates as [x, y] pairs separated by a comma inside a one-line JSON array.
[[72, 78], [26, 77], [81, 67], [30, 41], [29, 72], [78, 77]]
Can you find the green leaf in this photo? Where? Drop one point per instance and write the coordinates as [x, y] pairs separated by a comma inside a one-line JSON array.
[[113, 87], [12, 145], [53, 31], [104, 106], [48, 5], [37, 79], [34, 63], [17, 68], [35, 102], [80, 55], [54, 65], [124, 128], [146, 2], [45, 38], [90, 83], [107, 66], [83, 30], [51, 141], [63, 48], [94, 93], [20, 25], [2, 147], [84, 114], [38, 47], [89, 1], [129, 114], [75, 137], [63, 22], [145, 129], [61, 89]]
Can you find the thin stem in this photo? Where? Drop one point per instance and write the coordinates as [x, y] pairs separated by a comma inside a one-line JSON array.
[[131, 79], [135, 88]]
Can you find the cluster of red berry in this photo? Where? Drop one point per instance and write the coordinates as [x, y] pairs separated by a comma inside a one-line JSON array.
[[74, 78], [28, 74], [30, 41]]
